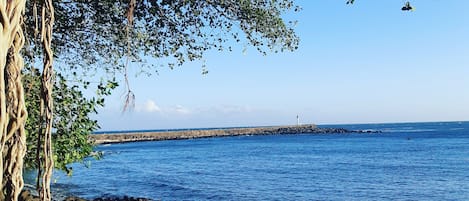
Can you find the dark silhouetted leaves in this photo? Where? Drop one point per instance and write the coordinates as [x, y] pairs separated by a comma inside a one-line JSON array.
[[71, 125]]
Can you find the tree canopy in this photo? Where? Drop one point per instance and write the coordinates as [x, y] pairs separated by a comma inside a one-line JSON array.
[[91, 36]]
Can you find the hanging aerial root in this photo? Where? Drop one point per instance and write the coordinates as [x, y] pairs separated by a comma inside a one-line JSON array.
[[46, 97], [129, 101]]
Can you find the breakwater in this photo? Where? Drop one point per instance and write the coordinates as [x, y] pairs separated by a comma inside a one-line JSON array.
[[226, 132]]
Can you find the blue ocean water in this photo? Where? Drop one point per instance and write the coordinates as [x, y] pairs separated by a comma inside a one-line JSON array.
[[408, 161]]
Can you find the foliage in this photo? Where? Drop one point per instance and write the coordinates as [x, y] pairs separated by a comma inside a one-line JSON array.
[[72, 123], [93, 38], [90, 37], [32, 84], [406, 7]]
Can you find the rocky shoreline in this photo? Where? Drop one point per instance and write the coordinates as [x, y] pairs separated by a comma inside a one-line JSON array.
[[206, 133], [26, 195], [125, 198]]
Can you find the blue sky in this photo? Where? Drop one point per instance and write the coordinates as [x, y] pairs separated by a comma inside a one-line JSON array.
[[365, 63]]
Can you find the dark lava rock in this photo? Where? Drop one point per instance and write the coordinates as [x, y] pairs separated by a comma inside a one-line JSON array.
[[73, 198], [26, 195], [125, 198]]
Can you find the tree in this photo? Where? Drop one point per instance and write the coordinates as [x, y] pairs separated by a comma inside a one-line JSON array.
[[12, 110], [96, 36], [72, 124]]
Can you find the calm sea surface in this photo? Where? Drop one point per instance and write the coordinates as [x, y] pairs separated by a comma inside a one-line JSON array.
[[411, 161]]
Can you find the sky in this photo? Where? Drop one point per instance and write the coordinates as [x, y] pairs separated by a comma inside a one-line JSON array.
[[365, 63]]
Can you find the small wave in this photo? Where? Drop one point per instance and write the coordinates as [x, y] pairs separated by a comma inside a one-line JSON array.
[[110, 152], [455, 129], [408, 131], [408, 128], [369, 130]]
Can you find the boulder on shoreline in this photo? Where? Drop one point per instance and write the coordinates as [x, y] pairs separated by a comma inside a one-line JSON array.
[[26, 195], [125, 198]]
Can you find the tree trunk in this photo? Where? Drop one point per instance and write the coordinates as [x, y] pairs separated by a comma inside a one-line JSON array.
[[46, 97], [12, 107]]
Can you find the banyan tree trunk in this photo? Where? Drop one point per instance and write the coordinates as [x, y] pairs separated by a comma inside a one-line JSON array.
[[46, 97], [12, 107]]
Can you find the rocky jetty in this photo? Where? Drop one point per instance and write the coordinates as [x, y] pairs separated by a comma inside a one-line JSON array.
[[205, 133]]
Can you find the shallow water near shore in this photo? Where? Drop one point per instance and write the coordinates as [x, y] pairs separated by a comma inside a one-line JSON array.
[[411, 161]]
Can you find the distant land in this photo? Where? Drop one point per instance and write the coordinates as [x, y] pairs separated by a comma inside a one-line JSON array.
[[181, 134]]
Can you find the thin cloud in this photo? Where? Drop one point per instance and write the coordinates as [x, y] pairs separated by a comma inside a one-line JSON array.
[[179, 109], [149, 106], [234, 109]]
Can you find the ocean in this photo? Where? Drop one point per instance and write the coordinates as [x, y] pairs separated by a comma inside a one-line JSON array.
[[407, 161]]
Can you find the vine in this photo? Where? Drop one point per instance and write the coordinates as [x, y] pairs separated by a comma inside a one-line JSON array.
[[129, 96], [46, 97]]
